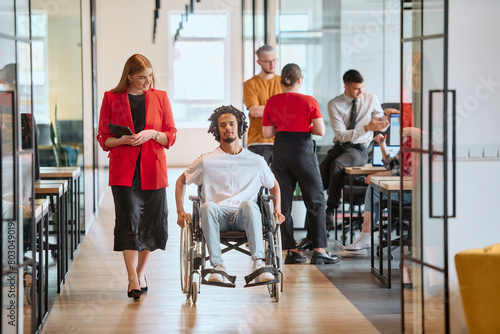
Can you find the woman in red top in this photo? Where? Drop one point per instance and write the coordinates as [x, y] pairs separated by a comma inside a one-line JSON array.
[[292, 117], [138, 167]]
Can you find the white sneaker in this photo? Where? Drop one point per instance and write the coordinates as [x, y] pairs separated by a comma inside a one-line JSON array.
[[215, 277], [356, 253], [264, 277], [362, 242]]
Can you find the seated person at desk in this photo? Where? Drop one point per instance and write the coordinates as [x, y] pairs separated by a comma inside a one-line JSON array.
[[231, 177], [392, 164], [354, 116]]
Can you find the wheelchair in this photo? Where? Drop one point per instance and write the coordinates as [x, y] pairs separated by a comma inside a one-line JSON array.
[[193, 251]]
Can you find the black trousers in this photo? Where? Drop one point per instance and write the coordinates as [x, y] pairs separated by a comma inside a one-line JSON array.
[[265, 150], [295, 161], [332, 168]]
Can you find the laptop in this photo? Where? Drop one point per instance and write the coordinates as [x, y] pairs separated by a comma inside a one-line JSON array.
[[377, 154]]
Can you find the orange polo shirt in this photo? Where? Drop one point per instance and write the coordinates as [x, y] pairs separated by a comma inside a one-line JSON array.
[[256, 92]]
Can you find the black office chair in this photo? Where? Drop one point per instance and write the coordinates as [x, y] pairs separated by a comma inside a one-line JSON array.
[[356, 207]]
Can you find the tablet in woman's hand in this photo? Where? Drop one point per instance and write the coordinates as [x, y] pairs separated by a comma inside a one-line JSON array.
[[119, 130]]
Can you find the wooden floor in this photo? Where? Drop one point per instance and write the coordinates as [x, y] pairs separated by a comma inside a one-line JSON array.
[[94, 300]]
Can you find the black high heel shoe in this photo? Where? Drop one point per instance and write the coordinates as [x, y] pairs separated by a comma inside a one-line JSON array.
[[134, 293], [145, 289]]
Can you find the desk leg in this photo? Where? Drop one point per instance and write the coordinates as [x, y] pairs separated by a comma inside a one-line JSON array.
[[380, 237], [65, 235], [343, 219], [72, 216], [78, 215], [335, 212], [60, 253], [46, 268], [38, 272], [379, 273], [350, 210], [389, 238], [372, 238]]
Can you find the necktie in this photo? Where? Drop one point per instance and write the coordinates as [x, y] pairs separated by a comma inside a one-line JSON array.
[[352, 121]]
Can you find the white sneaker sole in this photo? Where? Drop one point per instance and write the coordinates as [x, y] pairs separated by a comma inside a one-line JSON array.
[[355, 253], [357, 247]]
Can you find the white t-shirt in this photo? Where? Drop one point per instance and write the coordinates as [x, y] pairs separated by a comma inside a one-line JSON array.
[[228, 179]]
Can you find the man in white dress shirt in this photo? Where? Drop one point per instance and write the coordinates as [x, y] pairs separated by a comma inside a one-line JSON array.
[[354, 116]]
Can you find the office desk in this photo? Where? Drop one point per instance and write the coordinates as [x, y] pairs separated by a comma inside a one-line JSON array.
[[72, 175], [351, 173], [41, 263], [385, 185], [58, 190]]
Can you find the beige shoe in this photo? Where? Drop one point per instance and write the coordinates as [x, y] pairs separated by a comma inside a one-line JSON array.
[[215, 277], [264, 277]]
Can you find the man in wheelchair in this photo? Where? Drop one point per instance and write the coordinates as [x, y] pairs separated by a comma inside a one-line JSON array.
[[230, 178]]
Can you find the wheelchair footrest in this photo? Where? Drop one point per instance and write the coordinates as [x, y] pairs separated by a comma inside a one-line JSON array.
[[229, 284], [256, 273]]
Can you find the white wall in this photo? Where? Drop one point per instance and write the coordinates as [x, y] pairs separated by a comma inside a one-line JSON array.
[[473, 59], [125, 28]]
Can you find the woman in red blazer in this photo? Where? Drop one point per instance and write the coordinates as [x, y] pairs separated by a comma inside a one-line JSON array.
[[137, 166]]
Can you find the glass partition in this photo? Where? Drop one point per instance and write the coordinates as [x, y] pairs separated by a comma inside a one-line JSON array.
[[57, 86], [327, 38], [256, 32], [57, 82], [424, 79], [17, 186], [40, 68]]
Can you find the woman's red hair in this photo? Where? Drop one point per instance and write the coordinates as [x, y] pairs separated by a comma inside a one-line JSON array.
[[136, 63]]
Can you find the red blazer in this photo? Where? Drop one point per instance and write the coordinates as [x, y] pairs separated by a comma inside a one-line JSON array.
[[116, 109]]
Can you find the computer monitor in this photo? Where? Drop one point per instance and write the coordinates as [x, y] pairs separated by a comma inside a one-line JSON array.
[[377, 154], [394, 130]]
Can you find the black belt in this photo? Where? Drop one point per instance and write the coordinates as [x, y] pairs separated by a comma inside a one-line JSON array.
[[349, 145], [286, 134]]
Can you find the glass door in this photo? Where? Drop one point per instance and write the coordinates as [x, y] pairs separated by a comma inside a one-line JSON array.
[[20, 292], [428, 130]]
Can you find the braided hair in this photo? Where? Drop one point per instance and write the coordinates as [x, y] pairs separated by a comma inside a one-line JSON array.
[[240, 117]]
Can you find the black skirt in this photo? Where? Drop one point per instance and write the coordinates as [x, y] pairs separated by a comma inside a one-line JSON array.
[[141, 216]]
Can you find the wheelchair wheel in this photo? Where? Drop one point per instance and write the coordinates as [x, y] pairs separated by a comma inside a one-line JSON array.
[[278, 287], [279, 250], [185, 256], [274, 291], [194, 292]]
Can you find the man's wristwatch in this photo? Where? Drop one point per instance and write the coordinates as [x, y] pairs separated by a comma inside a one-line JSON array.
[[157, 136]]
